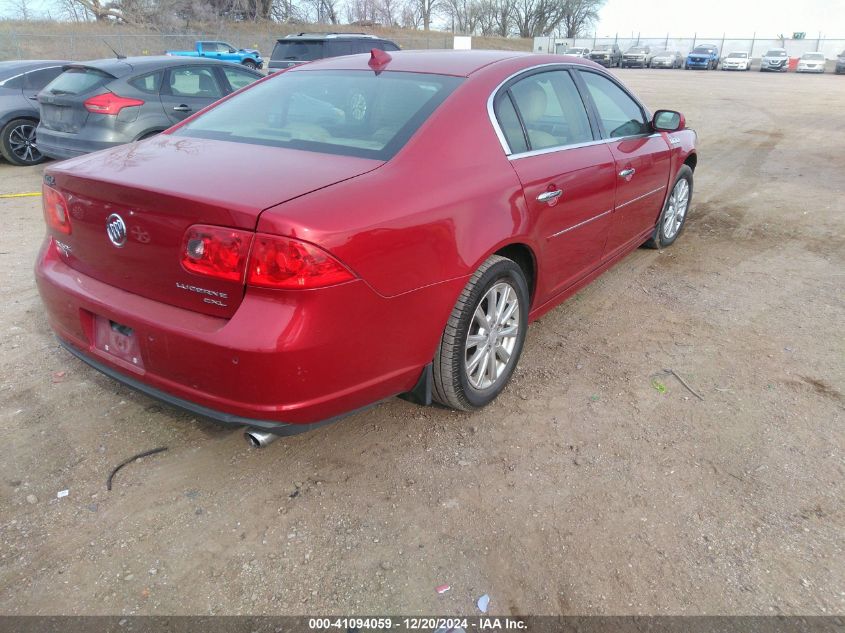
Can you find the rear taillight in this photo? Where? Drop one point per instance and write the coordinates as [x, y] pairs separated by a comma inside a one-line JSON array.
[[55, 210], [280, 262], [216, 251], [110, 103]]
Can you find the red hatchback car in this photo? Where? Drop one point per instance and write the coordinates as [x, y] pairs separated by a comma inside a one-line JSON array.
[[393, 225]]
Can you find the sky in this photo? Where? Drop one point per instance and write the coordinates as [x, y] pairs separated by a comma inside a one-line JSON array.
[[734, 18], [708, 18]]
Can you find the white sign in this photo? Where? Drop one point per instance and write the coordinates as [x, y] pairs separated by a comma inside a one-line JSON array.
[[463, 43]]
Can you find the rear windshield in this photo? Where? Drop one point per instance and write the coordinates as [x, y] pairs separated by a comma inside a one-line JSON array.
[[348, 112], [776, 54], [77, 81], [298, 51]]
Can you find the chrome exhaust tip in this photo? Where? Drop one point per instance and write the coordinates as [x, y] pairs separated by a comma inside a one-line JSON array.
[[259, 439]]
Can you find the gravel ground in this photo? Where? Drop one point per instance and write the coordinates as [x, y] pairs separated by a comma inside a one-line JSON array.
[[583, 490]]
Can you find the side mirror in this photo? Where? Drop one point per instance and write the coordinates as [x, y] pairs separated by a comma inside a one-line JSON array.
[[668, 121]]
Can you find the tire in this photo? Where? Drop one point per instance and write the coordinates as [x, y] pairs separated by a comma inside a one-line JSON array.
[[666, 232], [17, 143], [457, 384], [250, 64]]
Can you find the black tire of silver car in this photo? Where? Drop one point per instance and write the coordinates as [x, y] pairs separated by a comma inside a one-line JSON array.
[[17, 143], [250, 64], [673, 217], [489, 321]]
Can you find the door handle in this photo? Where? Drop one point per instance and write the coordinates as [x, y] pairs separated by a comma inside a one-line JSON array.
[[35, 98], [548, 196], [627, 173], [182, 108]]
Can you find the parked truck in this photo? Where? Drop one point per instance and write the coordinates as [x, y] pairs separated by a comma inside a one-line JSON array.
[[249, 57]]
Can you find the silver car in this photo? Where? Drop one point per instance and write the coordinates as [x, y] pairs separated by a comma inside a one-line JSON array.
[[20, 82], [667, 59], [775, 60], [578, 51], [811, 63], [108, 102]]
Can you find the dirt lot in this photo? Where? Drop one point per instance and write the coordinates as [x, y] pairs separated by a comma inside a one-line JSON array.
[[583, 490]]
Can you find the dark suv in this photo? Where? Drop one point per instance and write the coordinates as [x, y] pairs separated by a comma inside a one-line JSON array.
[[306, 47], [608, 55]]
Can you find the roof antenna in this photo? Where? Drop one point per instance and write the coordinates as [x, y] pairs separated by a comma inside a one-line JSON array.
[[379, 59], [116, 54]]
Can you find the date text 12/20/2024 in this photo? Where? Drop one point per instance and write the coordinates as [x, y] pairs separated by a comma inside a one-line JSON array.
[[435, 624]]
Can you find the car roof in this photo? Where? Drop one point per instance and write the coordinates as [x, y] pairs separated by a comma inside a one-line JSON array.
[[437, 62], [329, 36], [126, 65], [11, 68]]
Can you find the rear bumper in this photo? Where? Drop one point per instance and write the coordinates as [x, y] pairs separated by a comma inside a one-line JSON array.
[[285, 357], [278, 428], [60, 145]]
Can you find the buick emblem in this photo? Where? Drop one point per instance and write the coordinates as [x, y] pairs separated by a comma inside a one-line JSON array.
[[116, 229]]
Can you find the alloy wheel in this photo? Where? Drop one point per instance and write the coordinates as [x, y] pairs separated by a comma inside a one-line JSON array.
[[492, 336], [22, 143], [677, 210]]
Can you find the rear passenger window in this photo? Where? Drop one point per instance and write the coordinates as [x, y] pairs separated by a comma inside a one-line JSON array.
[[37, 79], [150, 83], [619, 113], [194, 82], [510, 125], [551, 109]]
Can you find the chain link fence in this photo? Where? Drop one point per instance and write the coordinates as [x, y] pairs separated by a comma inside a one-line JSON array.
[[80, 42]]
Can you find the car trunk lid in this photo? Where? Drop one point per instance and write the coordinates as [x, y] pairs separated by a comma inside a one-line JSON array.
[[161, 187]]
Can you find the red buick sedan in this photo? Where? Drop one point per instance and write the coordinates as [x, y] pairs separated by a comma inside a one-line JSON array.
[[355, 229]]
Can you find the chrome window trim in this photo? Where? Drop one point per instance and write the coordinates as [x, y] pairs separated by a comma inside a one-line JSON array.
[[491, 113], [26, 72], [575, 226]]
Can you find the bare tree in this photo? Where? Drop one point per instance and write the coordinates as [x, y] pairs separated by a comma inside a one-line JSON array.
[[411, 18], [101, 11], [20, 9], [504, 16], [388, 12], [428, 9], [541, 17], [579, 15]]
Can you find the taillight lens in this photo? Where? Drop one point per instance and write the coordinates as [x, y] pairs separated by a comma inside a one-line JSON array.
[[216, 251], [110, 103], [55, 210], [280, 262]]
